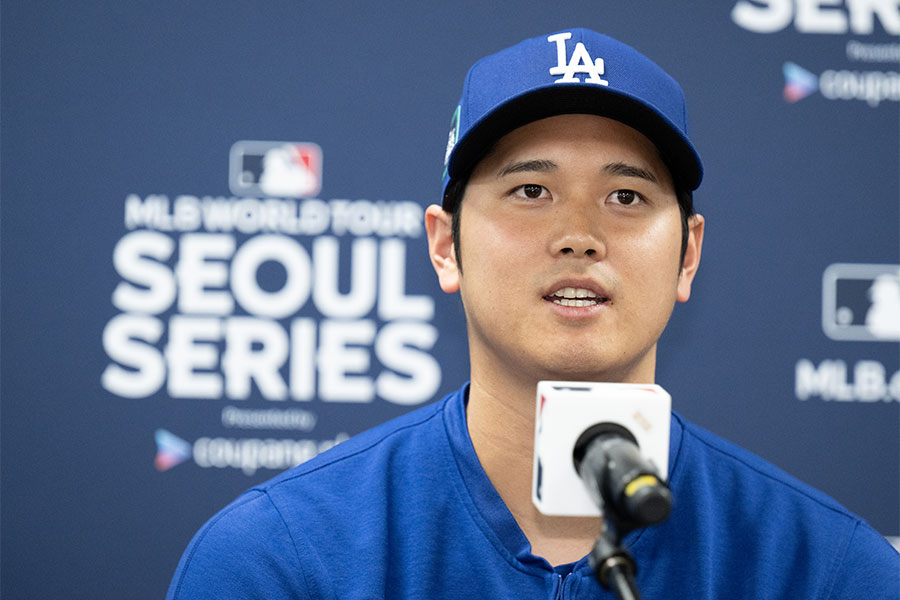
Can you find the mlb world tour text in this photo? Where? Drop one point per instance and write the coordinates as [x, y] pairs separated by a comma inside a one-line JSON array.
[[196, 319]]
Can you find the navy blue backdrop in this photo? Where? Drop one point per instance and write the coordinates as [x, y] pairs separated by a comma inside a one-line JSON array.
[[213, 264]]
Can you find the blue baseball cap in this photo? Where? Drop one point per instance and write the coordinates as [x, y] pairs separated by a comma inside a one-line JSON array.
[[571, 71]]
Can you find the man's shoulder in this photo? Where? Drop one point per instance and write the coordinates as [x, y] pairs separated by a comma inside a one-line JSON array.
[[322, 512], [757, 496], [374, 448], [344, 466], [725, 461], [752, 515], [351, 471], [250, 526]]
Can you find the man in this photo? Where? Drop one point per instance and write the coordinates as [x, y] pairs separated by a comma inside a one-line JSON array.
[[568, 229]]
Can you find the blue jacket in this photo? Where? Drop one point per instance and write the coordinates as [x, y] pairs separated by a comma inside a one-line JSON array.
[[406, 511]]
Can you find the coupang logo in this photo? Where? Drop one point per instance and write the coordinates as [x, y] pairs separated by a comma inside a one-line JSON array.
[[833, 17]]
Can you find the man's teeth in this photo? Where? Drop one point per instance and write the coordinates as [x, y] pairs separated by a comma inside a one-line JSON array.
[[575, 297], [568, 302]]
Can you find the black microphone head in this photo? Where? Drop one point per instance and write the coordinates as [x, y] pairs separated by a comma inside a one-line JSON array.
[[648, 500]]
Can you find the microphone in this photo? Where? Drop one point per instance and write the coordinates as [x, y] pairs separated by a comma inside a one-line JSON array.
[[619, 479], [602, 449], [596, 451], [626, 487]]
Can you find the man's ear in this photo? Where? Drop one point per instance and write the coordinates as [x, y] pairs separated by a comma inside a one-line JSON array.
[[438, 224], [691, 257]]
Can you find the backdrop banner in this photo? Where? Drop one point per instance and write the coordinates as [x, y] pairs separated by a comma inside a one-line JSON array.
[[214, 263]]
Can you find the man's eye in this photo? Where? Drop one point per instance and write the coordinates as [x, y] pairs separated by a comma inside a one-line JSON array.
[[530, 190], [625, 197]]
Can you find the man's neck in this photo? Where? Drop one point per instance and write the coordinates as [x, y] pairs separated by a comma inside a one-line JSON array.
[[501, 424]]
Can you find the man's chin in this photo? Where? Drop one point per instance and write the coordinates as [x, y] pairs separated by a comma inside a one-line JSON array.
[[590, 368]]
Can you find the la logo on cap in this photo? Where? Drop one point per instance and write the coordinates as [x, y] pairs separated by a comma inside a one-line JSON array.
[[581, 62]]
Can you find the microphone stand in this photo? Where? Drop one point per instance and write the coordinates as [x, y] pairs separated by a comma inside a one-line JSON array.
[[613, 566]]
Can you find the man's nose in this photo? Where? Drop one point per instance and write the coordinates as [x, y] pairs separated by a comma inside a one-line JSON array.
[[579, 233]]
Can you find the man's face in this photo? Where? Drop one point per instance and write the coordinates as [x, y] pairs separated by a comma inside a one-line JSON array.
[[571, 235]]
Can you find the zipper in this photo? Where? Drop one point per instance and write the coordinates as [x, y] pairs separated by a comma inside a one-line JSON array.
[[560, 582]]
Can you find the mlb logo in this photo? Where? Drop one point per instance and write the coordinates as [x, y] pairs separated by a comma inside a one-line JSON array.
[[279, 169], [861, 302]]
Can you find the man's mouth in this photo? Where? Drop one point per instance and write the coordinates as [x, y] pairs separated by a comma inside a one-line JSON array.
[[577, 297]]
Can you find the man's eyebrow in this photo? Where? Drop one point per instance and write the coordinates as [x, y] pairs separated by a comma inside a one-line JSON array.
[[626, 170], [528, 166]]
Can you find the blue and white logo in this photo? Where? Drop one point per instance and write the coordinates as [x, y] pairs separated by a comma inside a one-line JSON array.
[[275, 169], [581, 62], [861, 302]]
